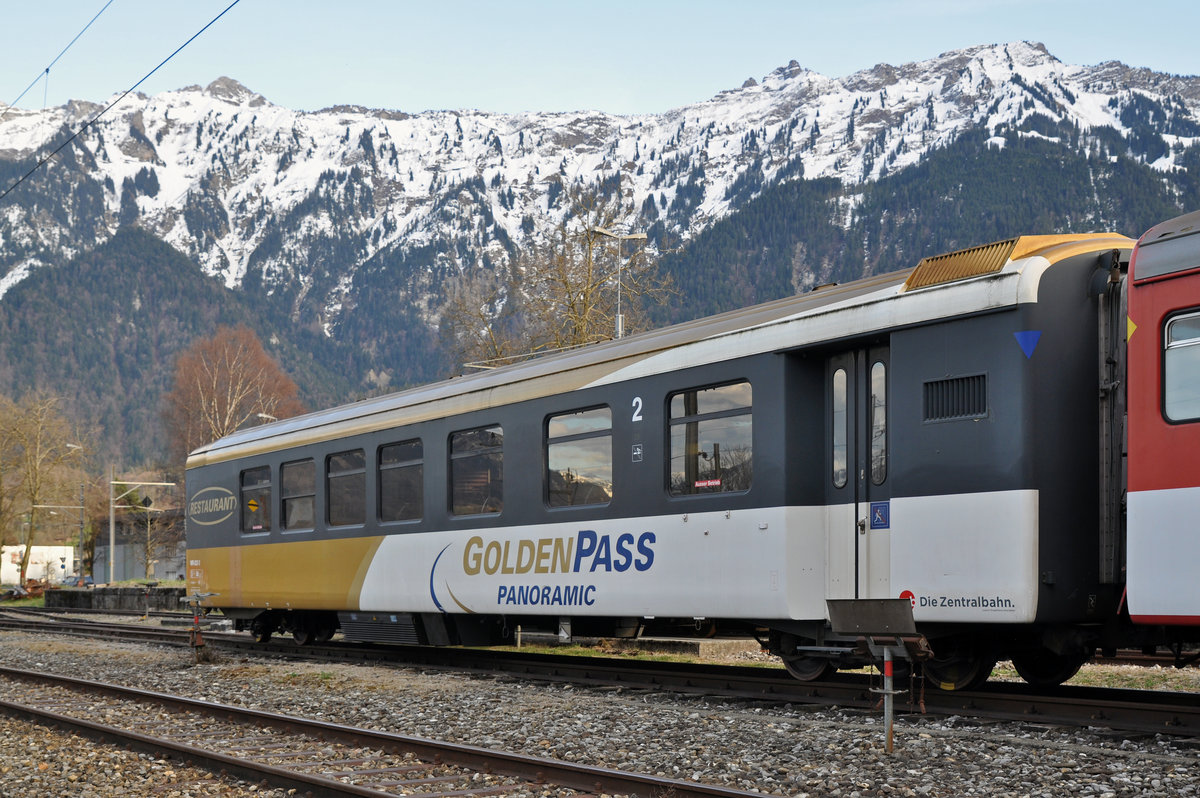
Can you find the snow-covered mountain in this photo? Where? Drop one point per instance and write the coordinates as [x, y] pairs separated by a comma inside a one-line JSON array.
[[298, 203], [332, 233]]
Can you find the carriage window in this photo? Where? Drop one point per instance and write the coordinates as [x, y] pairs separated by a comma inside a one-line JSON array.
[[840, 419], [1165, 256], [477, 471], [401, 481], [298, 488], [346, 486], [579, 458], [1181, 369], [711, 440], [878, 423], [256, 499]]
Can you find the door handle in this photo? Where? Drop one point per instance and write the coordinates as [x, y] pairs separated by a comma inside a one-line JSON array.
[[862, 526]]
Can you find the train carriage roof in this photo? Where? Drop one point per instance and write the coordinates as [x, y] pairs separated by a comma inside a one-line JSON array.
[[969, 281]]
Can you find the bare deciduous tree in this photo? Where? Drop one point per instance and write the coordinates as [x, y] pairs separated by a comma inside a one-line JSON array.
[[481, 313], [9, 476], [151, 527], [96, 499], [577, 281], [560, 294], [223, 383], [42, 444]]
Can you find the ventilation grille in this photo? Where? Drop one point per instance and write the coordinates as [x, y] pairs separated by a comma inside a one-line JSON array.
[[959, 397], [389, 627], [952, 266]]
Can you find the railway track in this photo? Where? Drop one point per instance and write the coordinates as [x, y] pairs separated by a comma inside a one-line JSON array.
[[1144, 711], [1122, 657], [312, 757]]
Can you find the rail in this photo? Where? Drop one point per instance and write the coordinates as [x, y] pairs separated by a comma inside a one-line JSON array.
[[284, 750]]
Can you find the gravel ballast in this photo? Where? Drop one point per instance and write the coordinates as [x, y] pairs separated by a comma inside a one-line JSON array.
[[38, 761], [788, 750]]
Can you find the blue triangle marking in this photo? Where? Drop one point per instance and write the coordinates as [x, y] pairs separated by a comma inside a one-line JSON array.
[[1028, 341]]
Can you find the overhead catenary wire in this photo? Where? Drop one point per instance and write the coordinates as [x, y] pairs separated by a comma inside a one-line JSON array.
[[46, 71], [109, 107]]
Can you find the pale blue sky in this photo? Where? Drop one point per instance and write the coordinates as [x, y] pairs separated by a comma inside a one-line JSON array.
[[623, 56]]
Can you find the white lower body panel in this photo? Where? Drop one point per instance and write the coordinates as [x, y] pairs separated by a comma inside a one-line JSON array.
[[967, 557], [1163, 545], [766, 563], [964, 558]]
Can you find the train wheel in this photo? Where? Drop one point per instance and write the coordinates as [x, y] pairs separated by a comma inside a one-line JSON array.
[[800, 666], [959, 665], [261, 629], [303, 635], [1044, 668], [324, 634], [808, 669]]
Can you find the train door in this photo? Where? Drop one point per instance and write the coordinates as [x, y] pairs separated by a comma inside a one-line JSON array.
[[858, 521]]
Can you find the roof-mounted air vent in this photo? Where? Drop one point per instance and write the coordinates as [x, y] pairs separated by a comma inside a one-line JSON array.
[[960, 265]]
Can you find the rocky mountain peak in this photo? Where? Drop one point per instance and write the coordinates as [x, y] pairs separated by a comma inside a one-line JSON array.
[[272, 199], [230, 91], [342, 226]]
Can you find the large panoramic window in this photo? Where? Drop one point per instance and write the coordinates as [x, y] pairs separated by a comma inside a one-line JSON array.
[[477, 471], [1181, 369], [401, 481], [346, 488], [711, 440], [579, 458], [256, 499], [298, 488]]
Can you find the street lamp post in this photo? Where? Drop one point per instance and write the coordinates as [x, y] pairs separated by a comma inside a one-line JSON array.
[[79, 565], [28, 540], [80, 508], [620, 323]]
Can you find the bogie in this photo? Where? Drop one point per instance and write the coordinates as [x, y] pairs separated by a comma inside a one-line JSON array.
[[1045, 668], [959, 664]]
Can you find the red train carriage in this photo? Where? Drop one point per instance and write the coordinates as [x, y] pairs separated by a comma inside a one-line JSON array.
[[1164, 425]]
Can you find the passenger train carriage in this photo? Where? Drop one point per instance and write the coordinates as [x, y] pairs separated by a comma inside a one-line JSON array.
[[951, 434]]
